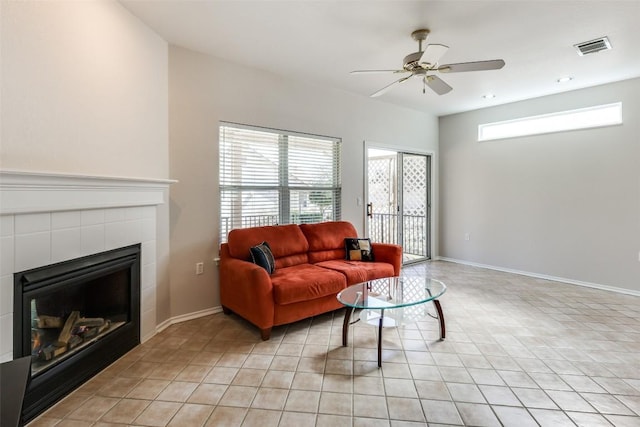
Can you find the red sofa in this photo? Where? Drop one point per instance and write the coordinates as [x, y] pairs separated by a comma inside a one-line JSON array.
[[311, 268]]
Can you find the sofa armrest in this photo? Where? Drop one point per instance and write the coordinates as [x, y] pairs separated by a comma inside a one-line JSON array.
[[390, 253], [246, 289]]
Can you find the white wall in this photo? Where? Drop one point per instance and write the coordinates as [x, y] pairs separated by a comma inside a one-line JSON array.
[[564, 205], [85, 91], [203, 91]]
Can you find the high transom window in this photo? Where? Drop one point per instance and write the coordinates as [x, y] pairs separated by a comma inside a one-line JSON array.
[[270, 177], [583, 118]]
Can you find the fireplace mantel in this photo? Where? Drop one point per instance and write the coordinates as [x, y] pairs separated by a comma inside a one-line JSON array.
[[52, 217], [31, 192]]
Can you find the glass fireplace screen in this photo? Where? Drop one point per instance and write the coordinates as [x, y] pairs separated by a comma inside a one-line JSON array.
[[66, 319]]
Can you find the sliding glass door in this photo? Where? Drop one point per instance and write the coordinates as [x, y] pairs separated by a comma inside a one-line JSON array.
[[398, 201]]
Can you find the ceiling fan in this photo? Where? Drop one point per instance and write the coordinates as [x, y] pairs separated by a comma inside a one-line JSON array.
[[422, 63]]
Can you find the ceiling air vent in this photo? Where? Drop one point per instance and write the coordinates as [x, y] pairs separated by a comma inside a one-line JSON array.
[[593, 46]]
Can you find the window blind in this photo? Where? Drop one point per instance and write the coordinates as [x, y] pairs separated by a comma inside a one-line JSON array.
[[270, 177]]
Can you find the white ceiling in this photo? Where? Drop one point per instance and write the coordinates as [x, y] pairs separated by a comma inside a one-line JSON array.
[[322, 41]]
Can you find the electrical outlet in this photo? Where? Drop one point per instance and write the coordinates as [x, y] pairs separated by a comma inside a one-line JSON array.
[[467, 236], [200, 268]]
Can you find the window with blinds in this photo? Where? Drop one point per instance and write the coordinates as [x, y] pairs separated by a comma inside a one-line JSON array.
[[270, 177]]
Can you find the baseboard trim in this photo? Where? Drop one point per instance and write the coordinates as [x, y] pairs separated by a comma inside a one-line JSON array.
[[183, 318], [544, 276]]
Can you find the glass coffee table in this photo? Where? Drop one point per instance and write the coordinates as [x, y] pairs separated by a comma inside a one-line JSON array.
[[390, 302]]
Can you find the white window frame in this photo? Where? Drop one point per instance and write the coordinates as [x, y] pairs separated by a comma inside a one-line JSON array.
[[232, 189], [582, 118]]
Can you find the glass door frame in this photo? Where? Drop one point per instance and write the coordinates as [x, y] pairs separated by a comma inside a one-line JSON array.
[[400, 151]]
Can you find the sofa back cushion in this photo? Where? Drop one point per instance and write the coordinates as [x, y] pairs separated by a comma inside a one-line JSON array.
[[326, 239], [288, 244]]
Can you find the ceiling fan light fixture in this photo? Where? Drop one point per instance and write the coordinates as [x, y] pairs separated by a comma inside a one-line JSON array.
[[427, 60]]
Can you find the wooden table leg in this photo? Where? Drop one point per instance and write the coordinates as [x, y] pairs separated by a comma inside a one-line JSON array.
[[440, 319]]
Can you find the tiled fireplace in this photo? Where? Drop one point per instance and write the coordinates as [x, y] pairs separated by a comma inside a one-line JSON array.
[[49, 218]]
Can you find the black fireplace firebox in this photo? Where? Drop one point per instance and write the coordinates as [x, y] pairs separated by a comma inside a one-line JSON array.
[[75, 318]]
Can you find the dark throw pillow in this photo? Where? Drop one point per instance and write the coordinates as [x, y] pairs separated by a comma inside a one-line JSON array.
[[262, 256], [358, 249]]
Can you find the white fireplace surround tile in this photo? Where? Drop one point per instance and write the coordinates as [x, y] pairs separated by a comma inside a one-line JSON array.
[[47, 218], [67, 219]]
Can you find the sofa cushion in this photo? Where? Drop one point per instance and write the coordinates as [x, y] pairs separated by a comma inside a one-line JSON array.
[[359, 271], [326, 239], [305, 282], [286, 241]]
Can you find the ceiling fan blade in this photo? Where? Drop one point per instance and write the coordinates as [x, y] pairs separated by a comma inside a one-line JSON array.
[[433, 53], [437, 85], [494, 64], [377, 71], [387, 87]]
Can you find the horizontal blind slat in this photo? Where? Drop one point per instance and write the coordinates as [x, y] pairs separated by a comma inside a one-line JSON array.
[[270, 177]]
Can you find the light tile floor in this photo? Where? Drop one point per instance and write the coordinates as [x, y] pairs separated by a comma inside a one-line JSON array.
[[519, 352]]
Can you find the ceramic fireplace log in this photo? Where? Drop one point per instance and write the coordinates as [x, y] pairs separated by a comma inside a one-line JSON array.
[[90, 321], [48, 322], [65, 334]]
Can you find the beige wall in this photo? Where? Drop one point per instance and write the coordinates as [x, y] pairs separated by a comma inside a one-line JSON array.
[[564, 205], [84, 90], [203, 91]]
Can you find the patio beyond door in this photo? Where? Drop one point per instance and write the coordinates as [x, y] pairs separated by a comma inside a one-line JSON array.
[[398, 201]]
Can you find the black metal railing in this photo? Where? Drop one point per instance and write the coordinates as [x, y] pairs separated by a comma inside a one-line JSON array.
[[246, 222], [383, 228]]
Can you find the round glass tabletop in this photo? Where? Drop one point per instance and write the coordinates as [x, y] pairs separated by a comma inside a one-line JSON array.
[[392, 292]]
